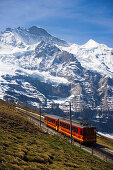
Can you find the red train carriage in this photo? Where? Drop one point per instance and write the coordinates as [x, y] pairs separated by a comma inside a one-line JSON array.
[[80, 132], [51, 122]]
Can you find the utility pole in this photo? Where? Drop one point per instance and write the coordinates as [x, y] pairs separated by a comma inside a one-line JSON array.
[[70, 122], [40, 116]]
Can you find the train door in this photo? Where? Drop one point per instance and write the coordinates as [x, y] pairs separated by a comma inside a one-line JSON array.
[[58, 125]]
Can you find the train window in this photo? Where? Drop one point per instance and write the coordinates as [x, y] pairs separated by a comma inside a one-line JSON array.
[[86, 131], [73, 129], [80, 131], [60, 123], [76, 130], [64, 125], [67, 126], [89, 131]]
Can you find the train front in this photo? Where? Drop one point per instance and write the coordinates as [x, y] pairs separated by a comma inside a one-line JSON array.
[[89, 135]]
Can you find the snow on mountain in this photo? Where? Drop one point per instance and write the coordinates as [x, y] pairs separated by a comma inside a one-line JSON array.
[[93, 56], [25, 59], [90, 44], [36, 67], [46, 77]]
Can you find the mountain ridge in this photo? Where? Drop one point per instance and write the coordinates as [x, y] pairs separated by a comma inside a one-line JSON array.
[[38, 68]]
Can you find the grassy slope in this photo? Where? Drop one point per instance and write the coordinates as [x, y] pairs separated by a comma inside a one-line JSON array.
[[25, 146], [101, 140]]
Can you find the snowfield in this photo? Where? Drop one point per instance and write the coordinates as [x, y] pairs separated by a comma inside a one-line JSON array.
[[93, 56]]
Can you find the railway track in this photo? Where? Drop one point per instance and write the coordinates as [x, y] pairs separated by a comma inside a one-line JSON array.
[[97, 150]]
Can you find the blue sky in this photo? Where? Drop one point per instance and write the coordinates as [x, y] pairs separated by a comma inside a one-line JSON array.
[[76, 21]]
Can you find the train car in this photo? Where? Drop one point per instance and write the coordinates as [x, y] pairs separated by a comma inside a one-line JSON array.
[[80, 131], [51, 121]]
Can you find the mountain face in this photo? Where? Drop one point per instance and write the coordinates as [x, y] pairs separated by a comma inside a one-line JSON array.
[[94, 56], [38, 68]]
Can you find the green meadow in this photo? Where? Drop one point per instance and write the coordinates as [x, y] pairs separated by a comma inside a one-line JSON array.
[[24, 146]]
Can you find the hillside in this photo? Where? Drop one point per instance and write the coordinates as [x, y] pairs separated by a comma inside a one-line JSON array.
[[24, 146]]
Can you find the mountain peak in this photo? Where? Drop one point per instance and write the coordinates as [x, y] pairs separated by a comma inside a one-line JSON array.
[[8, 30], [38, 31], [90, 44]]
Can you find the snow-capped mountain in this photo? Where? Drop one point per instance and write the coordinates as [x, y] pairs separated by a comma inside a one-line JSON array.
[[38, 68], [94, 56], [12, 40]]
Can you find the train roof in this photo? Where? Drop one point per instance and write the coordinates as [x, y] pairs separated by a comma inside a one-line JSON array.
[[74, 122]]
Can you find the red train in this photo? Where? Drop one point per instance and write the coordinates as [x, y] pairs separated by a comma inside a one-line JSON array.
[[80, 131]]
